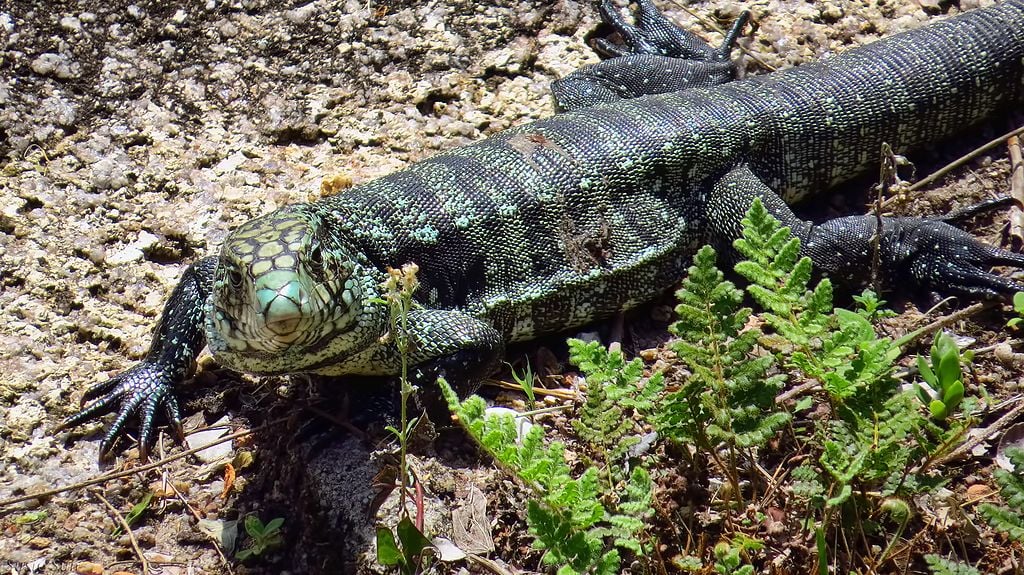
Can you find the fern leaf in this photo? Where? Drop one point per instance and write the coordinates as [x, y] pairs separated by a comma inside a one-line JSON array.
[[942, 566]]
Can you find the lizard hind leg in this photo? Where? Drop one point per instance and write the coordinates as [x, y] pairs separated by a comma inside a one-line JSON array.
[[657, 57]]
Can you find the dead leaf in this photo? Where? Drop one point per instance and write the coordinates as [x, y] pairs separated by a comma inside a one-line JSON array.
[[447, 551], [471, 529], [229, 480], [1013, 437]]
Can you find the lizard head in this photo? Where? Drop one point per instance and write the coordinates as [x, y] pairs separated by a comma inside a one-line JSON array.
[[287, 290]]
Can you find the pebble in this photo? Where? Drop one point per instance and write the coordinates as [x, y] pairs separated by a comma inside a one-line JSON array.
[[71, 24], [25, 416], [50, 63]]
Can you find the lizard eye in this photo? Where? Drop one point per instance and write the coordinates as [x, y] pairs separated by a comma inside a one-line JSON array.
[[235, 278], [316, 255]]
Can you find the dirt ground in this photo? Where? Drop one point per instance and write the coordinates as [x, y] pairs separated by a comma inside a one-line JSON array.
[[135, 136]]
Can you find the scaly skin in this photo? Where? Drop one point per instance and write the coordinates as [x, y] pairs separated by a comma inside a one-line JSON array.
[[551, 225]]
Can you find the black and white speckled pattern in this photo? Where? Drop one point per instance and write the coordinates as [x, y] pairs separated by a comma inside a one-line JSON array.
[[553, 224]]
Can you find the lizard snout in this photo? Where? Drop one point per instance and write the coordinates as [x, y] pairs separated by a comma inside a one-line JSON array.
[[283, 308]]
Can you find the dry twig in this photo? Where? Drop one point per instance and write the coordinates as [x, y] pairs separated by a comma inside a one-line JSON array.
[[1016, 192], [1008, 418], [956, 164], [127, 529], [140, 469]]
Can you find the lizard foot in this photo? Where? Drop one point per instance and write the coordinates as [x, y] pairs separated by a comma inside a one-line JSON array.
[[141, 391], [948, 260], [655, 35]]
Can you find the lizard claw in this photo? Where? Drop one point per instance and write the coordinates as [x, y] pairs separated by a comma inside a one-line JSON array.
[[946, 259], [140, 391]]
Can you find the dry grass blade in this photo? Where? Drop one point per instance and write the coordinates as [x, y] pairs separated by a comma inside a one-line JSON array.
[[1003, 422], [566, 394]]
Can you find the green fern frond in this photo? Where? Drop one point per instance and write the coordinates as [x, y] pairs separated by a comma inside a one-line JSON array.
[[942, 566], [1009, 519]]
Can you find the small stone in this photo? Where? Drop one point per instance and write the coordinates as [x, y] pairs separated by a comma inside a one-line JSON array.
[[831, 13], [301, 14], [979, 491], [25, 416], [649, 355], [216, 452], [71, 24], [51, 64], [230, 163], [228, 29], [88, 568], [108, 175]]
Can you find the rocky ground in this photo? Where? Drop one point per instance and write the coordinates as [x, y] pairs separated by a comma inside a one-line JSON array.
[[135, 136]]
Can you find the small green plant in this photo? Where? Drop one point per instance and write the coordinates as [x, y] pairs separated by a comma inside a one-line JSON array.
[[876, 445], [944, 376], [30, 517], [566, 515], [1010, 518], [405, 551], [1018, 307], [263, 537], [398, 290], [942, 566], [729, 555], [615, 393], [837, 347], [135, 513], [525, 381]]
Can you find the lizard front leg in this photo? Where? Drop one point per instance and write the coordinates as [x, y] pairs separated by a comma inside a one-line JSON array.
[[927, 254], [149, 385], [443, 343], [455, 346]]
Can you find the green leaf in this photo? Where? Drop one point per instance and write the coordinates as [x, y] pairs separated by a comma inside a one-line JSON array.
[[138, 509], [822, 548], [387, 549], [804, 403], [953, 395], [942, 566], [273, 525], [253, 526], [949, 367], [844, 493], [30, 517], [938, 409], [413, 541]]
